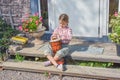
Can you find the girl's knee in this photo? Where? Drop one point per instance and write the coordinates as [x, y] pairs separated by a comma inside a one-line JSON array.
[[56, 58]]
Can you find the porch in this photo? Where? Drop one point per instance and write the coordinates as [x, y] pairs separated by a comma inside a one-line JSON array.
[[108, 53]]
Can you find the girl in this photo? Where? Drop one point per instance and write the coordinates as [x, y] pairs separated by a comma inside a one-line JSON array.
[[64, 33]]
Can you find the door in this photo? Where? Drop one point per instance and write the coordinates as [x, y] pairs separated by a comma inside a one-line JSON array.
[[41, 7], [84, 16]]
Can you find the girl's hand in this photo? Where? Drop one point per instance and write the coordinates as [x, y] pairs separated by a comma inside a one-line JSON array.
[[54, 37]]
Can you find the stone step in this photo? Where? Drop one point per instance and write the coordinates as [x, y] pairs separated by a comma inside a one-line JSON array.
[[71, 70]]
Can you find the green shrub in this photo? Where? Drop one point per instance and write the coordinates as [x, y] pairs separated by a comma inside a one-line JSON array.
[[115, 26], [6, 32]]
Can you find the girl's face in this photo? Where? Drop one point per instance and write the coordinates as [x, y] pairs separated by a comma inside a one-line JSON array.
[[63, 24]]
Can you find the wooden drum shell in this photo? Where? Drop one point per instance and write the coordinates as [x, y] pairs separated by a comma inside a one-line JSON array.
[[56, 45]]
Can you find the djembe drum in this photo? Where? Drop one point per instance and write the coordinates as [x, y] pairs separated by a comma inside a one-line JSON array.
[[56, 45]]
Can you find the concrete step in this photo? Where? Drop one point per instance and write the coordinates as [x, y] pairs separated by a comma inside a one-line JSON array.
[[71, 70]]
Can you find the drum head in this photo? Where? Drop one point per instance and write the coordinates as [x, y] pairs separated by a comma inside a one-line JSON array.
[[55, 40]]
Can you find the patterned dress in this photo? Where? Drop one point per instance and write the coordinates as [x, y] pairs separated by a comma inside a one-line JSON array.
[[65, 34]]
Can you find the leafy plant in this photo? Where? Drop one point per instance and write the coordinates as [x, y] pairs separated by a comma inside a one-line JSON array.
[[4, 42], [45, 14], [31, 23], [19, 57], [115, 26], [94, 64], [6, 32]]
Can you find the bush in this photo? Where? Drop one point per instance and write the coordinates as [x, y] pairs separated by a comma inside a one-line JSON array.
[[6, 32], [115, 26]]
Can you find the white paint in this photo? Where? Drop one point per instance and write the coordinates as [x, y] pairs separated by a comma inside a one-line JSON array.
[[51, 13], [119, 6], [104, 17], [39, 8], [85, 16]]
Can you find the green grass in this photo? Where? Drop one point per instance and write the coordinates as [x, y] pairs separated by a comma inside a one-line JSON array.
[[92, 63]]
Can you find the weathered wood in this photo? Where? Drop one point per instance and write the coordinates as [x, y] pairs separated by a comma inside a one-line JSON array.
[[13, 15], [9, 5], [109, 54], [72, 70], [100, 58], [77, 56], [10, 15], [1, 67], [30, 51], [11, 19], [0, 13]]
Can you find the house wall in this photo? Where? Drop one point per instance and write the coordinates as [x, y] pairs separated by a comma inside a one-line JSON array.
[[89, 17], [18, 8], [21, 7]]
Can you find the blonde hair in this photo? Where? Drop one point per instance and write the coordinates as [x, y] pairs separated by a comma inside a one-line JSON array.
[[64, 17]]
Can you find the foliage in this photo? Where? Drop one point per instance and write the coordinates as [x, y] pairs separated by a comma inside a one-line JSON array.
[[115, 26], [31, 23], [46, 74], [45, 14], [4, 42], [6, 32], [94, 64], [18, 57]]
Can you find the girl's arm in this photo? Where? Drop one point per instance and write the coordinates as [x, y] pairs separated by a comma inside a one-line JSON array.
[[69, 36], [55, 33]]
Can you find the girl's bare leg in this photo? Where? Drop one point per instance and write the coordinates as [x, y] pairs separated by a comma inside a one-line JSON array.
[[56, 58], [52, 60]]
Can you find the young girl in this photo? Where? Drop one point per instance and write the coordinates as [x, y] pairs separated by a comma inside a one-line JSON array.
[[64, 33]]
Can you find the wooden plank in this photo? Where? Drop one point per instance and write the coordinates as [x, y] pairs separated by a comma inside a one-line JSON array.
[[9, 5], [0, 12], [74, 55], [13, 15], [30, 51], [109, 54], [77, 56], [72, 70], [90, 57], [1, 67], [11, 19]]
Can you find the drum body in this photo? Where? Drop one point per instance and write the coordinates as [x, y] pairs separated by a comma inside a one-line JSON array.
[[56, 45]]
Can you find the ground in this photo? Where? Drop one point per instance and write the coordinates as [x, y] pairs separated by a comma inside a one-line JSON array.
[[21, 75]]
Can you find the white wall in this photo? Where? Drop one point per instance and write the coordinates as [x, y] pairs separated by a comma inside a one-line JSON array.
[[86, 16], [119, 6]]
